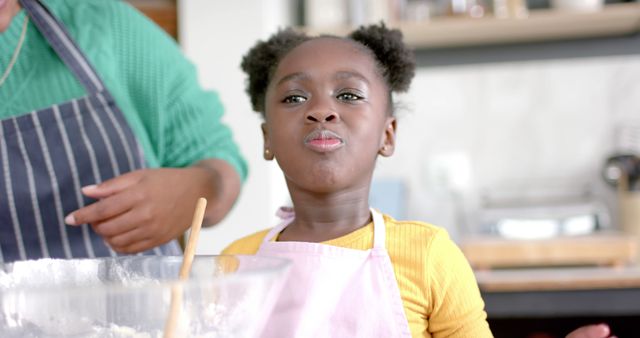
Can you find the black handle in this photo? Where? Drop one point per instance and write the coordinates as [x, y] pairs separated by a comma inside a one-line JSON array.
[[618, 166]]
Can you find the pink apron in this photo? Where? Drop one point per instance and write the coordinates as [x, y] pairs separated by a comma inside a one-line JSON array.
[[336, 292]]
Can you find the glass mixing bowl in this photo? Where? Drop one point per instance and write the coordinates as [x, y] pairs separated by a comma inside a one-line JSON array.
[[225, 296]]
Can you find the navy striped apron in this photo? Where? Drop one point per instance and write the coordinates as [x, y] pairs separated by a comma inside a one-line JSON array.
[[46, 156]]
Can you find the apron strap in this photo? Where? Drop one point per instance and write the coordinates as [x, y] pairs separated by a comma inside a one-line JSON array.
[[60, 40], [379, 230], [286, 216]]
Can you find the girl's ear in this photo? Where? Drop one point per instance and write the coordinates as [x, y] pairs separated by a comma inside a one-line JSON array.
[[267, 153], [388, 143]]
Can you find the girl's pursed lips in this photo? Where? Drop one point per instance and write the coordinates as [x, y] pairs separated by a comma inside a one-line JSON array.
[[323, 140]]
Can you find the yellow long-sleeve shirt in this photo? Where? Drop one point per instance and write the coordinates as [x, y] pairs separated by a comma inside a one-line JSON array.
[[438, 289]]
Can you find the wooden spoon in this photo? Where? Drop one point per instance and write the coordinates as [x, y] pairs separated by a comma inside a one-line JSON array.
[[190, 250], [185, 268]]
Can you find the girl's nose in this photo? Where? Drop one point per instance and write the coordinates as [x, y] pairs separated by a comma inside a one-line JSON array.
[[322, 116]]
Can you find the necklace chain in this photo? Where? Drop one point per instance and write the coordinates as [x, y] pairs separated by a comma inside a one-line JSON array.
[[16, 52]]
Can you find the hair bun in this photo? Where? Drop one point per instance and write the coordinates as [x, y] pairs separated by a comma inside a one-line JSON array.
[[396, 58]]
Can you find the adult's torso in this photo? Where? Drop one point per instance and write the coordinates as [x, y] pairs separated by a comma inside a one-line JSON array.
[[48, 154], [39, 78]]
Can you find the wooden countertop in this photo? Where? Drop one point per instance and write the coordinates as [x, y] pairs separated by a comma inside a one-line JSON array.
[[566, 278], [597, 249]]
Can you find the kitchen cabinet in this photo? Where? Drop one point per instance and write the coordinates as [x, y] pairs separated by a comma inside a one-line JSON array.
[[540, 25], [545, 34], [521, 302], [163, 12]]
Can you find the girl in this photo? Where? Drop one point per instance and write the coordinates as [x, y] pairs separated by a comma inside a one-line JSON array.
[[328, 110]]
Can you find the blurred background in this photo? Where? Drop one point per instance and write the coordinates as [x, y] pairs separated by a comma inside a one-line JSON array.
[[520, 135]]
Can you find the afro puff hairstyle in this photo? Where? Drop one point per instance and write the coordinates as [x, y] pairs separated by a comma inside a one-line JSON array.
[[394, 59]]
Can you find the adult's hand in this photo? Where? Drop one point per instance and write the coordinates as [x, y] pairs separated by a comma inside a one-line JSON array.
[[142, 209], [591, 331]]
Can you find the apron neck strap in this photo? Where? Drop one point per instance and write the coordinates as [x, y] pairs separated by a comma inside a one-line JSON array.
[[287, 216], [379, 230], [62, 43]]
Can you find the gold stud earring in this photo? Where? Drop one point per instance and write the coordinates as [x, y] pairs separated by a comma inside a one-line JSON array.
[[267, 152]]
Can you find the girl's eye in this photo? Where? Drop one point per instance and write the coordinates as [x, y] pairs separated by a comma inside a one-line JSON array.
[[294, 99], [349, 97]]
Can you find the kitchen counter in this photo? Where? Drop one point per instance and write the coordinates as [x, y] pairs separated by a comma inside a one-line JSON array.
[[552, 292], [551, 302], [544, 279], [596, 249]]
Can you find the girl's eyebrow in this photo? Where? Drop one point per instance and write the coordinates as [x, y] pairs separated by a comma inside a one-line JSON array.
[[349, 74], [292, 77], [341, 75]]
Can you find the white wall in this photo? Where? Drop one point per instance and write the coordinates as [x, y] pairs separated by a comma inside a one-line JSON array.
[[517, 128], [215, 35]]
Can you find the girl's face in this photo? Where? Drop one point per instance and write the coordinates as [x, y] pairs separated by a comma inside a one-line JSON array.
[[326, 117], [8, 8]]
